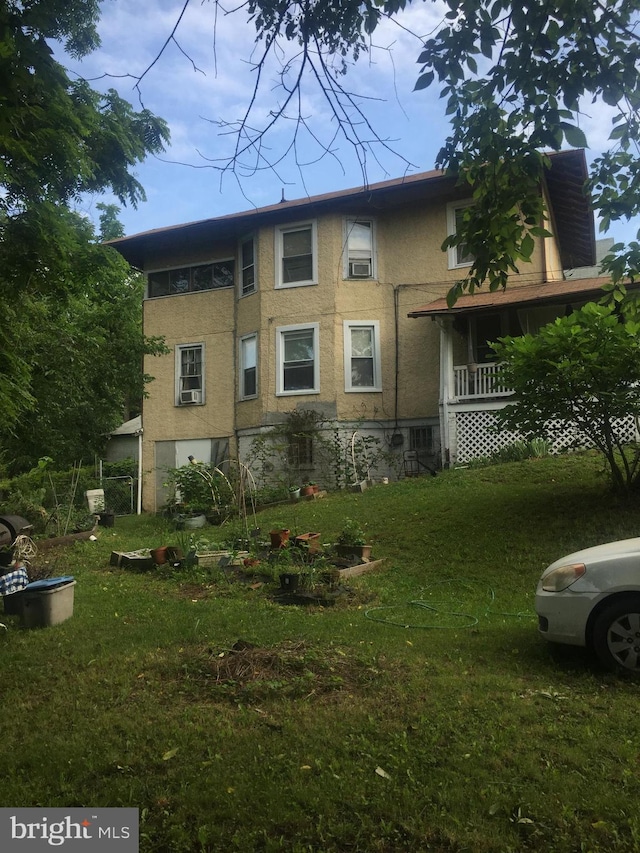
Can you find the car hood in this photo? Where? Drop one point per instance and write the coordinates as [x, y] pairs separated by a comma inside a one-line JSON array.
[[620, 550], [610, 567]]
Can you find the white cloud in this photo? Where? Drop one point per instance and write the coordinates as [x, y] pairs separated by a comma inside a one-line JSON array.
[[194, 86]]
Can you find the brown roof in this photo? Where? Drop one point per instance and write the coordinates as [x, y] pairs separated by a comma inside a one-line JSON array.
[[565, 181], [528, 295]]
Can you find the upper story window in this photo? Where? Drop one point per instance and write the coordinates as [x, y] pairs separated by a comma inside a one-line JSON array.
[[297, 359], [362, 370], [296, 255], [248, 366], [192, 279], [189, 374], [248, 278], [459, 256], [359, 253]]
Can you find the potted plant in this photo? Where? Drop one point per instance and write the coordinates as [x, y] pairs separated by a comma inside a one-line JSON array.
[[279, 535], [286, 569], [308, 489], [351, 541], [294, 493]]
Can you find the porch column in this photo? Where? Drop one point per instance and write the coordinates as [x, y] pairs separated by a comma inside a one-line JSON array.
[[447, 427]]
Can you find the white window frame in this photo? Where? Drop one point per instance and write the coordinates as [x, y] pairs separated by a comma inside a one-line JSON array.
[[348, 326], [281, 332], [241, 268], [243, 367], [347, 256], [285, 229], [452, 251], [179, 349]]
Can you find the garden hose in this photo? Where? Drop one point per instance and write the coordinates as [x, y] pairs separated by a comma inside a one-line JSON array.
[[444, 610]]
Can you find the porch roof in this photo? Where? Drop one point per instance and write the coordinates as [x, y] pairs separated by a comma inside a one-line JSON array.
[[545, 293]]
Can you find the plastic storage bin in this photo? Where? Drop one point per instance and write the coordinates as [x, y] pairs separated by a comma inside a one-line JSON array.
[[47, 602]]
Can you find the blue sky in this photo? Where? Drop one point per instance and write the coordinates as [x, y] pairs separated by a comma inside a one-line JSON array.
[[209, 77]]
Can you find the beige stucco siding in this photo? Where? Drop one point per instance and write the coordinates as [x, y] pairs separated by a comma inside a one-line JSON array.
[[196, 318], [410, 271]]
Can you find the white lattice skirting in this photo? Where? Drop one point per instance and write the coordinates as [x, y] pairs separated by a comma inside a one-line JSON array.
[[478, 436]]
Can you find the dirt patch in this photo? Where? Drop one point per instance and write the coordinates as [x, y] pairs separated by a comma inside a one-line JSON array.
[[247, 673]]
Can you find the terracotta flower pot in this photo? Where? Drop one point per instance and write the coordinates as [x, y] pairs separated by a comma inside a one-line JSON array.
[[311, 541], [279, 538], [159, 555]]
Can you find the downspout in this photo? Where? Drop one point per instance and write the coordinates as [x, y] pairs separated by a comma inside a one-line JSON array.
[[445, 389], [139, 497], [396, 311], [397, 438]]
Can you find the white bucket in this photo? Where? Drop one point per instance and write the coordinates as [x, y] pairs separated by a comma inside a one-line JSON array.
[[95, 499]]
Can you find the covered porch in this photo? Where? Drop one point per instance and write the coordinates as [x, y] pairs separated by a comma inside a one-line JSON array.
[[470, 391]]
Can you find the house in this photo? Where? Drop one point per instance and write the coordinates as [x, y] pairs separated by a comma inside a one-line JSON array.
[[325, 317]]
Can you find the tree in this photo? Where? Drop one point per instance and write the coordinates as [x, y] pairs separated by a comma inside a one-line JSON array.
[[581, 371], [85, 353], [59, 139], [518, 79]]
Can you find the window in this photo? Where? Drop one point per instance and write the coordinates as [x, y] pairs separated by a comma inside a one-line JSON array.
[[248, 366], [189, 374], [248, 266], [458, 255], [300, 450], [421, 439], [296, 255], [359, 254], [211, 276], [297, 359], [362, 356]]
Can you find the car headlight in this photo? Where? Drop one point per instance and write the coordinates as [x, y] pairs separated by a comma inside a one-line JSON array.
[[563, 577]]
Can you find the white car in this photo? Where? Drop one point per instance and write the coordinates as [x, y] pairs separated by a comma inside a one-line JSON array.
[[592, 598]]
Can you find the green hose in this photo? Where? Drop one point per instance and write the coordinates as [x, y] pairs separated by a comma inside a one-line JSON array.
[[467, 620]]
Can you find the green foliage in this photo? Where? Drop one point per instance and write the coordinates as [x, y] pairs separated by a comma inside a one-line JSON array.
[[519, 450], [121, 468], [83, 344], [53, 501], [338, 460], [525, 100], [582, 370], [200, 488], [351, 534], [67, 305]]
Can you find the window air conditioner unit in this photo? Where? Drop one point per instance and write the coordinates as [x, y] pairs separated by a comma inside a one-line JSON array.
[[360, 269], [188, 397]]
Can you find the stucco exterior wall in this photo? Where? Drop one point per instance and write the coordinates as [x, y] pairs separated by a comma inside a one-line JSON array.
[[411, 270]]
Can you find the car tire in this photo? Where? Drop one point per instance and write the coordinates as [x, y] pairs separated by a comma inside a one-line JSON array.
[[616, 636]]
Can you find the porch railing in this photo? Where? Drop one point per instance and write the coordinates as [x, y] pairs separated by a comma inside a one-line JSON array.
[[478, 382]]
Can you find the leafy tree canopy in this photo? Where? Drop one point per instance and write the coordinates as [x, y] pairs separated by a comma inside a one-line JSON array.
[[583, 372], [59, 140], [82, 352]]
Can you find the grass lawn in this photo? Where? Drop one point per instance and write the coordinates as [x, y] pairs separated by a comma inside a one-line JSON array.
[[379, 724]]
